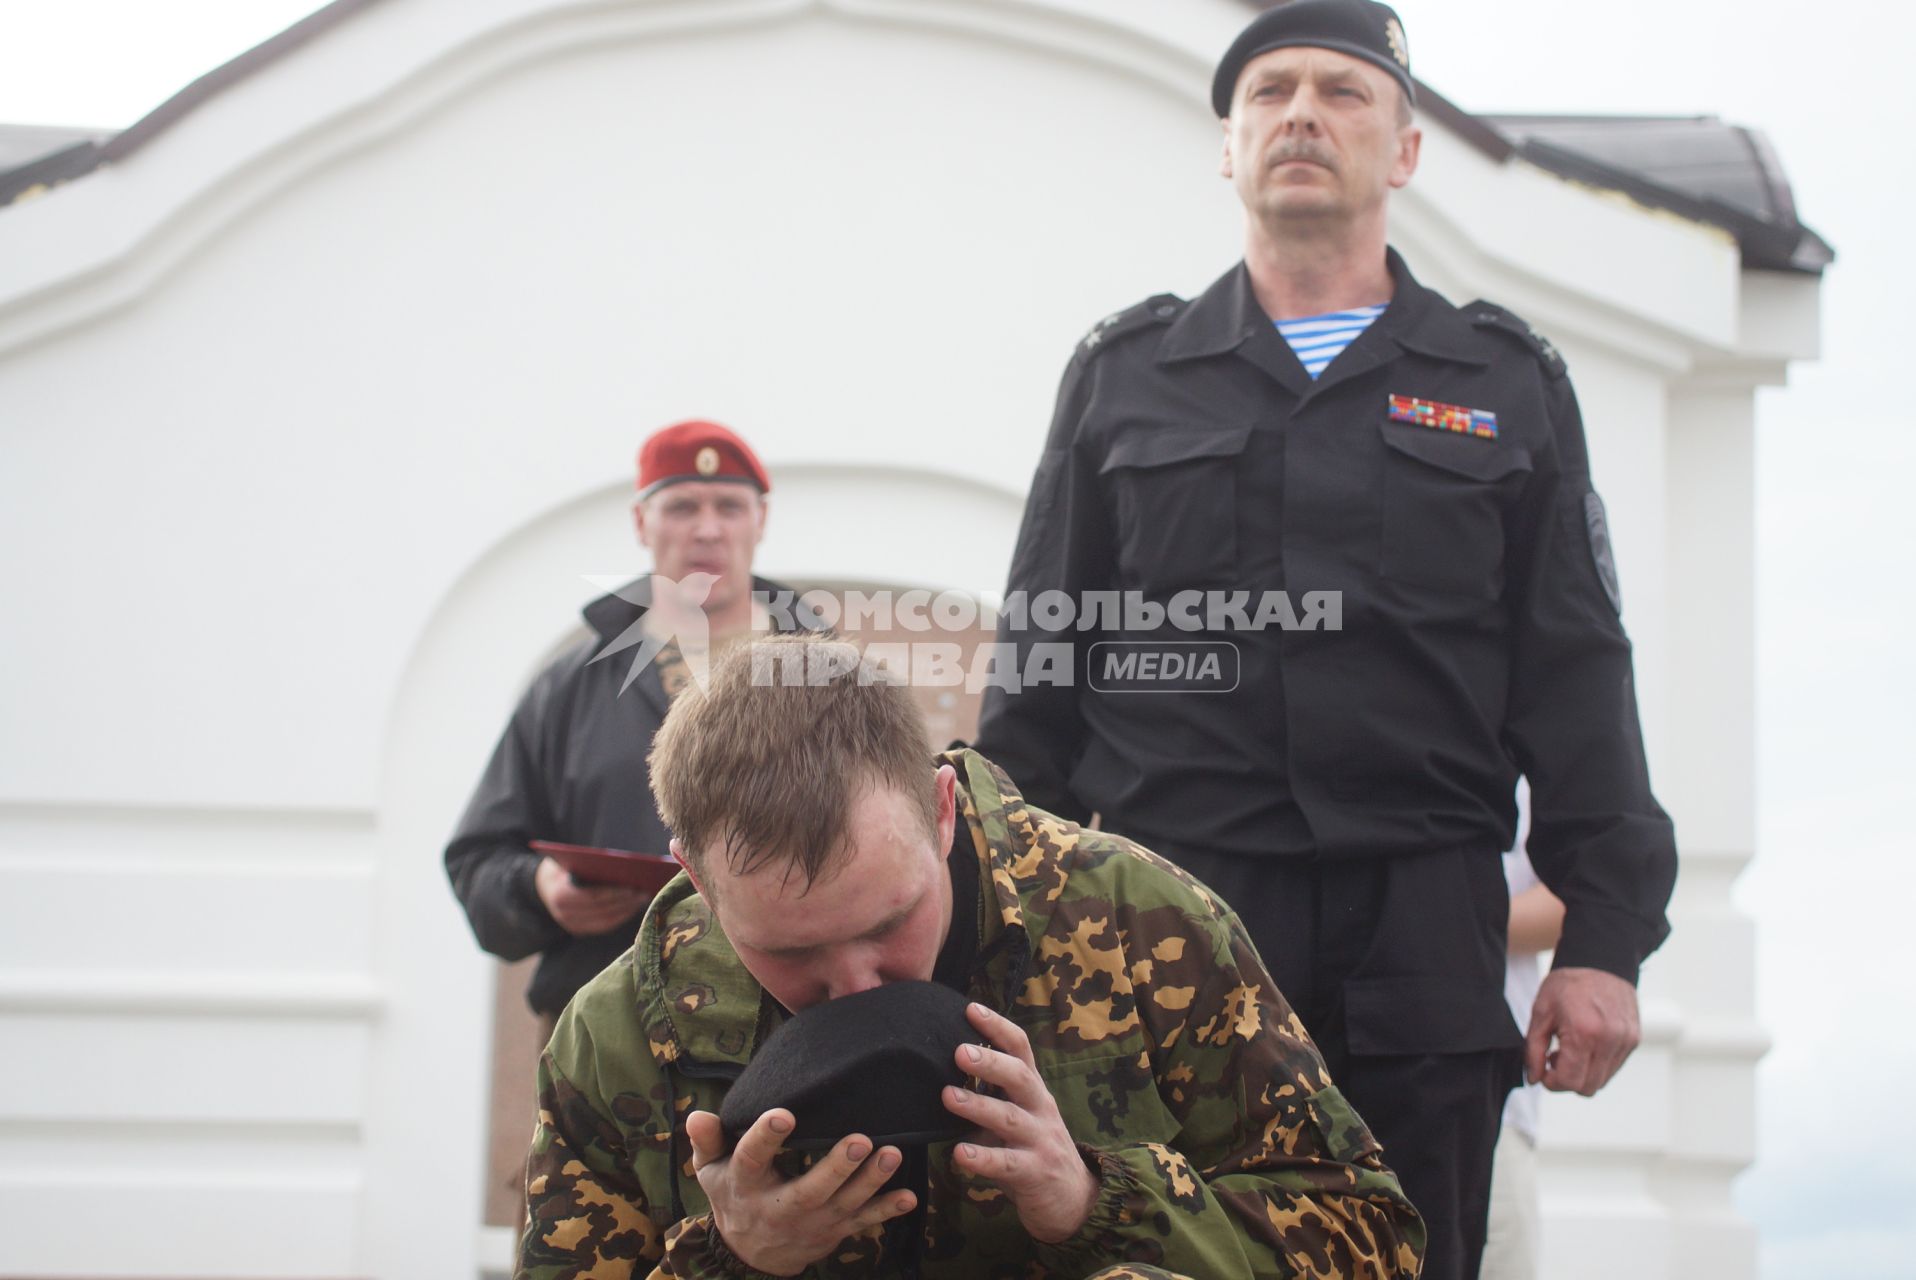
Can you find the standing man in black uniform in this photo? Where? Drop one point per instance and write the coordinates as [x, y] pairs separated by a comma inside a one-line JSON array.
[[1351, 792], [571, 766]]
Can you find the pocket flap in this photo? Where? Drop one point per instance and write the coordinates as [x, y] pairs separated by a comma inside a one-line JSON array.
[[1463, 455], [1346, 1137], [1162, 445]]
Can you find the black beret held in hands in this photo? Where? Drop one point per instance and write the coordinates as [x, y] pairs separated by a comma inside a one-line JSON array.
[[1361, 28], [874, 1063]]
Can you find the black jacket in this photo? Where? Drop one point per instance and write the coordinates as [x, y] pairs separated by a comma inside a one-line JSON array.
[[1480, 632], [570, 767]]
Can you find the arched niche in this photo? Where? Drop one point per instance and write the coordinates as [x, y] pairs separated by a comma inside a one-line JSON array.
[[429, 1080]]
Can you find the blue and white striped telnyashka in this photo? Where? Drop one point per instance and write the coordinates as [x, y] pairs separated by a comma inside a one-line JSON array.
[[1318, 339]]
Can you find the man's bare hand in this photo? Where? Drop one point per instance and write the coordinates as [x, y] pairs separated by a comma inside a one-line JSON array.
[[585, 909], [1023, 1147], [1592, 1015], [778, 1226]]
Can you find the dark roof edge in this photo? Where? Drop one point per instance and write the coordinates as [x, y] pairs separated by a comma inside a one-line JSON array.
[[1605, 117], [1477, 133], [63, 165], [268, 51], [1765, 245]]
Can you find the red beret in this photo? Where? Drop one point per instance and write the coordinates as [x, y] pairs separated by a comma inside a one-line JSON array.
[[698, 451]]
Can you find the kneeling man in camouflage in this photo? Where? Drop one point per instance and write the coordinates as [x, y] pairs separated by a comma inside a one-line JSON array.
[[1127, 1093]]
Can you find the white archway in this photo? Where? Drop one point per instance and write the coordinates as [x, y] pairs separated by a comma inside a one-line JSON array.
[[426, 1103]]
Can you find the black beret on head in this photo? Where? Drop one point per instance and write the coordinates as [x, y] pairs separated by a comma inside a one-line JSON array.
[[1362, 28], [872, 1063]]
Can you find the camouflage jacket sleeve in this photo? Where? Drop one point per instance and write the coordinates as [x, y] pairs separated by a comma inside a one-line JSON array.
[[1270, 1171], [591, 1209]]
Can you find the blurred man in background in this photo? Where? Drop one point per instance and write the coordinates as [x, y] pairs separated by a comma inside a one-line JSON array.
[[571, 766]]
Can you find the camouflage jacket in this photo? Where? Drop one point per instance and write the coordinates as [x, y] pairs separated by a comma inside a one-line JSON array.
[[1223, 1148]]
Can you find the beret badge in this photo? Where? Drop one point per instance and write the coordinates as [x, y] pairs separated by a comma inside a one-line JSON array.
[[1366, 29], [698, 450]]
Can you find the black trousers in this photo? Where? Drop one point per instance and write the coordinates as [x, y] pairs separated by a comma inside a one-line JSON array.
[[1396, 966]]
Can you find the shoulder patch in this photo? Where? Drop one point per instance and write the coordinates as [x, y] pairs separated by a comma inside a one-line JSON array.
[[1598, 526], [1152, 312], [1490, 315]]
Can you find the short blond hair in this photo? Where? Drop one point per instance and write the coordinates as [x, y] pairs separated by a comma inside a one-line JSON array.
[[765, 761]]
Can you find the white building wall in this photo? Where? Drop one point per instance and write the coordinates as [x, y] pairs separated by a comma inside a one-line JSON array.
[[318, 408]]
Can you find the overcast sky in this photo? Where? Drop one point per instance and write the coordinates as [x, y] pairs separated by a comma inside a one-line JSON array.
[[1834, 884]]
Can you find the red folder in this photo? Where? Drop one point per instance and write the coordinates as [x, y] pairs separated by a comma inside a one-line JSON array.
[[647, 871]]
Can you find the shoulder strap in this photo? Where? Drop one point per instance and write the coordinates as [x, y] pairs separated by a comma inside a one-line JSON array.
[[1488, 315], [1153, 312]]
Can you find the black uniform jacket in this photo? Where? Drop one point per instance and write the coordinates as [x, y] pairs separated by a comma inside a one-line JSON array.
[[1480, 632], [570, 767]]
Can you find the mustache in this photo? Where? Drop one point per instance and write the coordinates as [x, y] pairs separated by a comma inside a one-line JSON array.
[[1299, 149]]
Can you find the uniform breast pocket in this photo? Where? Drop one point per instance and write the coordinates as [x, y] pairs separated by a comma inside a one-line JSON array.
[[1444, 496], [1173, 493]]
